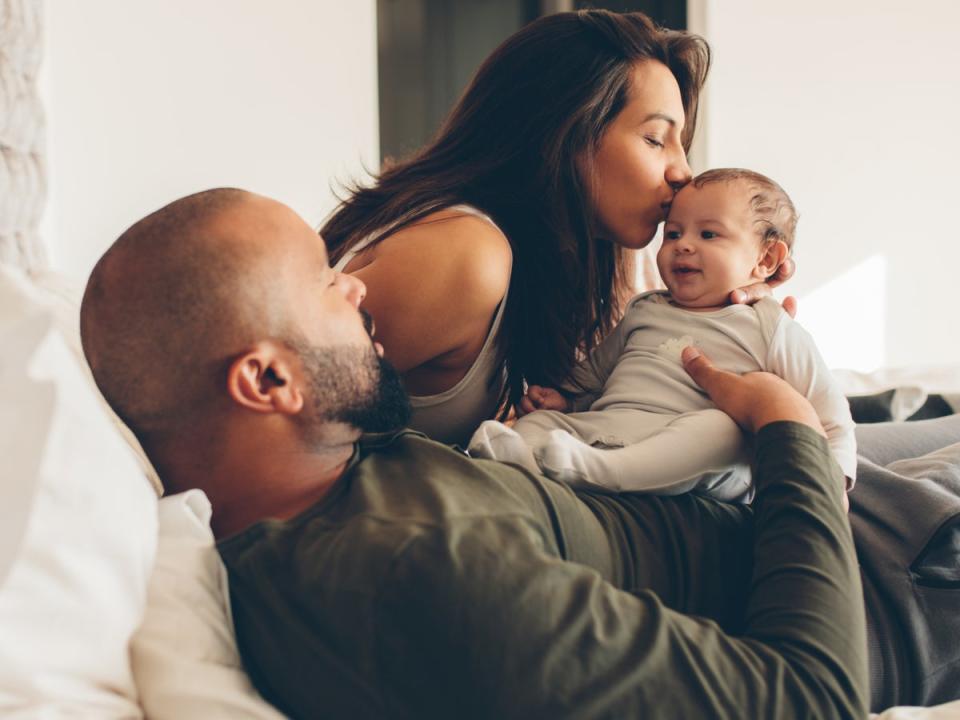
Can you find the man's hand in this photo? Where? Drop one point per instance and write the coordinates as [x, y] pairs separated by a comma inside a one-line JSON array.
[[752, 400], [751, 293], [543, 398]]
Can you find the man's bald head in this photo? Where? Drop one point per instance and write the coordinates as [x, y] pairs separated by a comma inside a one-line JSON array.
[[172, 300]]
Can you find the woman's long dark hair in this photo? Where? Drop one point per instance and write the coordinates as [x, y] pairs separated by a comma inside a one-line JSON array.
[[535, 111]]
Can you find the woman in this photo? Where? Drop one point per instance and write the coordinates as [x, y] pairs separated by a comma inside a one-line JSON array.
[[502, 249]]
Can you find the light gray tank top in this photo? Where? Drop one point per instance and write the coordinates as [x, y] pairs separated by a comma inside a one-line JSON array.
[[453, 415]]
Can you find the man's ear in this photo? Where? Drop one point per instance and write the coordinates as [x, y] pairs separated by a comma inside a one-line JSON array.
[[772, 255], [264, 379]]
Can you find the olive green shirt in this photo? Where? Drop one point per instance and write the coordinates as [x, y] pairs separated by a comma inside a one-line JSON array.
[[426, 584]]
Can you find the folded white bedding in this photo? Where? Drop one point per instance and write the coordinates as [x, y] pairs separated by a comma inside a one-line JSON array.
[[942, 379]]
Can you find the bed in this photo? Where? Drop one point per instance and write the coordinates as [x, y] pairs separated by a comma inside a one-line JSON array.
[[113, 601]]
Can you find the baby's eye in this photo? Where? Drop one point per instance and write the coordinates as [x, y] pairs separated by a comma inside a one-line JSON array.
[[707, 234], [671, 235]]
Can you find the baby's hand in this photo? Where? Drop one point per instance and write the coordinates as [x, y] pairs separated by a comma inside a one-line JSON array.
[[543, 398]]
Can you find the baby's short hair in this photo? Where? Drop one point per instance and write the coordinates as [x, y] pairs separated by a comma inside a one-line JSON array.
[[773, 210]]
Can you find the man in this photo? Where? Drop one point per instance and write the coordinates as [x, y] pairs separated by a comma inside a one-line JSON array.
[[398, 577]]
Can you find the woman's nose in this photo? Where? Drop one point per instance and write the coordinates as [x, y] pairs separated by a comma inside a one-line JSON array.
[[678, 172]]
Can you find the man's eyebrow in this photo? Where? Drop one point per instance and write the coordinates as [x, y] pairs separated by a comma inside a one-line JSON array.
[[660, 116]]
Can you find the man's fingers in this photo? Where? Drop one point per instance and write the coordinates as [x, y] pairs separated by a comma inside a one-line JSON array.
[[790, 306], [783, 273], [750, 294], [698, 366]]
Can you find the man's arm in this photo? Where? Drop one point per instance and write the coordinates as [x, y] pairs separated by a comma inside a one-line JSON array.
[[489, 622]]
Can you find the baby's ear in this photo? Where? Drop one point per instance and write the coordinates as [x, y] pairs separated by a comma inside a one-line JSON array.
[[772, 255]]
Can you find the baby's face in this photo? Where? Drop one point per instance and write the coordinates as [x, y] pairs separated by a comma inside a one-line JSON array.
[[710, 245]]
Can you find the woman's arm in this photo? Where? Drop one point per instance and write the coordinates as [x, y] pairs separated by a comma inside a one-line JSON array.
[[433, 289]]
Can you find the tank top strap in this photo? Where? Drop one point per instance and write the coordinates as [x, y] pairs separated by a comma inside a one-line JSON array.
[[365, 242]]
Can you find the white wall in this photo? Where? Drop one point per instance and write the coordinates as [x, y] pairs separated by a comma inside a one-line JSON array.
[[148, 101], [853, 107]]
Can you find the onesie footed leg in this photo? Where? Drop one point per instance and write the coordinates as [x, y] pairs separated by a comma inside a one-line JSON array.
[[732, 485], [701, 450], [568, 459], [495, 441]]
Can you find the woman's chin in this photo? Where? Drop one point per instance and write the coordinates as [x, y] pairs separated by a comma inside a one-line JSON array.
[[635, 240]]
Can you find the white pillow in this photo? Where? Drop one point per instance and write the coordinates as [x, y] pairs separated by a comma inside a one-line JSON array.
[[63, 295], [948, 711], [78, 523], [185, 658]]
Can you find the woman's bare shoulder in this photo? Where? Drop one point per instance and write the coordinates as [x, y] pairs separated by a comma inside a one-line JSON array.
[[433, 287], [452, 251]]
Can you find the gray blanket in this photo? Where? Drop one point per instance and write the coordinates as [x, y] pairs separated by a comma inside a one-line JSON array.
[[905, 514]]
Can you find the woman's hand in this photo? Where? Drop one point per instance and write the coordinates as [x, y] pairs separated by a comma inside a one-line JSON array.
[[543, 398], [751, 293], [752, 400]]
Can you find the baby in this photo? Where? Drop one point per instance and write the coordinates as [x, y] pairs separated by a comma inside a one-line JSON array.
[[630, 418]]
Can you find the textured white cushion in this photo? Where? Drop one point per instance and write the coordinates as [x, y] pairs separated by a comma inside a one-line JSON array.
[[78, 523], [185, 657], [63, 295], [948, 711]]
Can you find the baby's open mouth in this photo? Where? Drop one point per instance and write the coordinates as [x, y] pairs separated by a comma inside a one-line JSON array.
[[685, 270]]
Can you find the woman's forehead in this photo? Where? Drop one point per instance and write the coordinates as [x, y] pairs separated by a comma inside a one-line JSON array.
[[654, 94]]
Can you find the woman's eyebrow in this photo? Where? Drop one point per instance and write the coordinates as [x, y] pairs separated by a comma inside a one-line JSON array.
[[660, 116]]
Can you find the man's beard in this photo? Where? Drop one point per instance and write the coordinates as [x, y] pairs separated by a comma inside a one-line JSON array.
[[353, 385]]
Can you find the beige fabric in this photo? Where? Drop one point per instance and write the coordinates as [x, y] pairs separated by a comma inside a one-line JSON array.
[[22, 141], [184, 656]]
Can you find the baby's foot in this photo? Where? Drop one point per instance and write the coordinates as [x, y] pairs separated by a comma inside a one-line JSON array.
[[570, 460], [495, 441]]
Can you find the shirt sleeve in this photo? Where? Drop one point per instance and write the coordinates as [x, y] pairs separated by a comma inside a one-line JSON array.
[[793, 355], [488, 620]]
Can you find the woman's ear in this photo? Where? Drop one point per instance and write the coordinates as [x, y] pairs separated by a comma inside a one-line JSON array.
[[772, 255], [265, 379]]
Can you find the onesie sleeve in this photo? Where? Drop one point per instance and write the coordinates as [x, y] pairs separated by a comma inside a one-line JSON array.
[[793, 355], [588, 377], [487, 620]]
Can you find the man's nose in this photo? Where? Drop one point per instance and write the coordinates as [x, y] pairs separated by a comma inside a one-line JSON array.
[[353, 288]]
